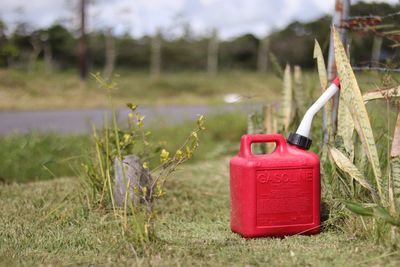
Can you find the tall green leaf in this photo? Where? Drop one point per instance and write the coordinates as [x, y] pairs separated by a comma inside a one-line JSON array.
[[376, 211], [354, 102], [359, 209], [382, 213]]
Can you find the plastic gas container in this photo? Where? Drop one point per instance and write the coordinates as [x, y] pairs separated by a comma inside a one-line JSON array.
[[275, 194], [278, 194]]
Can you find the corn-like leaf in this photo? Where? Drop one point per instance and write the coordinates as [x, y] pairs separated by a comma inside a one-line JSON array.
[[387, 93], [359, 209], [354, 102], [323, 77], [395, 150], [287, 98], [391, 195], [345, 129], [343, 163], [299, 90], [395, 174], [395, 165]]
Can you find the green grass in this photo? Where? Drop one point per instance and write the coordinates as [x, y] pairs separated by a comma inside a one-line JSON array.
[[40, 157], [46, 223]]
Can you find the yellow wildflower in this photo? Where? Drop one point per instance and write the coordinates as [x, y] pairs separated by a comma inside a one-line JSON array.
[[164, 156]]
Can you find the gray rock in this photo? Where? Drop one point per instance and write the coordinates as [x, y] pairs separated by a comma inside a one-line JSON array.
[[136, 176]]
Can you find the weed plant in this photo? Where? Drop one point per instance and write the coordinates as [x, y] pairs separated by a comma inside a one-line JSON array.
[[110, 147]]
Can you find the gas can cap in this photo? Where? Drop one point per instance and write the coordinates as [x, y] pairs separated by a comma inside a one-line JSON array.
[[299, 140]]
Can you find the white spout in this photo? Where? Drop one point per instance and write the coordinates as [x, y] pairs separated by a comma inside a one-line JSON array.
[[305, 125]]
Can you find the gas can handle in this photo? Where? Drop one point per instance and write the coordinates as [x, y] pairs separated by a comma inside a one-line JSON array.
[[248, 139]]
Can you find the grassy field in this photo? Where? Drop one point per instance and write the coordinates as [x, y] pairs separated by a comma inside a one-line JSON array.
[[46, 223], [24, 91], [49, 222]]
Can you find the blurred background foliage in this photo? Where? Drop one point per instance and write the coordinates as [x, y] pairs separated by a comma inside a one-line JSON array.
[[189, 52]]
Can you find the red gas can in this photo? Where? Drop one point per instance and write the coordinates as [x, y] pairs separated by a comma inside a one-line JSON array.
[[274, 194]]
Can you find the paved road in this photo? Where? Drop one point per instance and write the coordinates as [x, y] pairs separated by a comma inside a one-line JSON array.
[[81, 121]]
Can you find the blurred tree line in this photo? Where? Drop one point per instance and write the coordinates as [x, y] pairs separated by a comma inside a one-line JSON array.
[[58, 46]]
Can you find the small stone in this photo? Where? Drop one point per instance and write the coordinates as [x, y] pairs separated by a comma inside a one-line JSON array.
[[135, 176]]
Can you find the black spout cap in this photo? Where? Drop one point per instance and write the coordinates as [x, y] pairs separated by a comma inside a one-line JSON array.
[[299, 140]]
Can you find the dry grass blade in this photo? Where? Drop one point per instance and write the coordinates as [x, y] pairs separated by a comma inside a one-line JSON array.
[[275, 117], [299, 90], [269, 125], [251, 129], [343, 163], [387, 93], [287, 98], [354, 102], [345, 129], [276, 67]]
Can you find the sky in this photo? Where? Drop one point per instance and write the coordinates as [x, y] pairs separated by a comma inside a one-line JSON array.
[[144, 17]]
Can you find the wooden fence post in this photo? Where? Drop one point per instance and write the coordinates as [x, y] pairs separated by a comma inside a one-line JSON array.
[[155, 55], [83, 64], [109, 55], [262, 57], [376, 51], [212, 55]]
